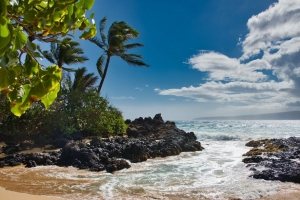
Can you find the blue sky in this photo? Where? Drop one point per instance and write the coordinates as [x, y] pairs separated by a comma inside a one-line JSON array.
[[207, 58]]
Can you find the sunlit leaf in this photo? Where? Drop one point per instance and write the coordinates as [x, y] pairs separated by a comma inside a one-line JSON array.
[[29, 21], [19, 108], [88, 4], [5, 36], [7, 78], [50, 97], [15, 96]]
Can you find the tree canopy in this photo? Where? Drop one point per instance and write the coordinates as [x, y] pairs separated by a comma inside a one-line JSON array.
[[22, 78]]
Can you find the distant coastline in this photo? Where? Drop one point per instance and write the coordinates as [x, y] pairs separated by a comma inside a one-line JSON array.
[[292, 115]]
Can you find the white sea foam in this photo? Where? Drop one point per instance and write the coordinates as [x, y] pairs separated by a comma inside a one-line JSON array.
[[217, 172]]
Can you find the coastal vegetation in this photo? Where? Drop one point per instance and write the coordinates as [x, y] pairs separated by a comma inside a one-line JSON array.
[[42, 103], [77, 112], [24, 23]]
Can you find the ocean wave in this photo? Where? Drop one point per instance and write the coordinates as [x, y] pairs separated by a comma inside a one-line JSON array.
[[221, 137]]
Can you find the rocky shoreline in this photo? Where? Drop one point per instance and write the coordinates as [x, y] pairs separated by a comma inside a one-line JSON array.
[[146, 138], [275, 159]]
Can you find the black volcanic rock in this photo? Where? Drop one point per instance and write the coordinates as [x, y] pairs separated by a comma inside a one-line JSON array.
[[279, 157], [147, 138]]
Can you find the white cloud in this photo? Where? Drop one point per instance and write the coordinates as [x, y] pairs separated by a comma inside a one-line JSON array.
[[278, 23], [242, 92], [221, 67], [272, 47]]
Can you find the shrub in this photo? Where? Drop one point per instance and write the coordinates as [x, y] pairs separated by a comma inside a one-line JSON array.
[[74, 111]]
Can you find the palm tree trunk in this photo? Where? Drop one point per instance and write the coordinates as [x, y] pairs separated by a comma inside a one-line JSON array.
[[104, 74]]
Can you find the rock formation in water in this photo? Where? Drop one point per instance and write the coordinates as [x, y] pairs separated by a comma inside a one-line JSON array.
[[275, 159], [146, 138]]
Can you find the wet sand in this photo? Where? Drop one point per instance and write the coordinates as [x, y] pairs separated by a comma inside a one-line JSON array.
[[32, 184], [10, 195], [288, 195]]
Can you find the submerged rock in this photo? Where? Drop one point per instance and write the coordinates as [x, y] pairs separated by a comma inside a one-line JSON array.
[[279, 157]]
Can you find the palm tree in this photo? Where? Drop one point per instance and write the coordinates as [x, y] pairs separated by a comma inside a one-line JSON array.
[[63, 52], [74, 92], [115, 44], [83, 81]]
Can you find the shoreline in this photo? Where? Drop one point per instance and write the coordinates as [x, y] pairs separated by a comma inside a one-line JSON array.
[[11, 195], [19, 188], [287, 195]]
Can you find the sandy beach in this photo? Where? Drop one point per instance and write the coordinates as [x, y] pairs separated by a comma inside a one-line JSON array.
[[10, 195], [291, 195], [41, 188]]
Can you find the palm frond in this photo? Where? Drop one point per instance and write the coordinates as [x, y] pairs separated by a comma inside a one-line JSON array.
[[102, 25], [49, 56], [99, 43], [133, 45], [89, 80], [68, 69], [77, 77], [99, 65], [83, 81], [132, 59], [74, 59]]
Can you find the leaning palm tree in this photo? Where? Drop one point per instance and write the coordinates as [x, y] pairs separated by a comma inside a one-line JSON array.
[[65, 52], [115, 44]]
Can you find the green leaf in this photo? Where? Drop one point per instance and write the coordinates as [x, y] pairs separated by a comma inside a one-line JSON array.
[[38, 91], [7, 79], [19, 108], [15, 96], [70, 10], [5, 36], [5, 49], [31, 46], [9, 58], [50, 97], [30, 15], [18, 69], [88, 34], [16, 110], [37, 55], [92, 15], [20, 39], [50, 81], [31, 66], [88, 4], [3, 8]]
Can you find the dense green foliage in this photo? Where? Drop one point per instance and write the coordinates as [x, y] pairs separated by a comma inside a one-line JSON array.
[[21, 23], [78, 109], [115, 44], [56, 106]]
